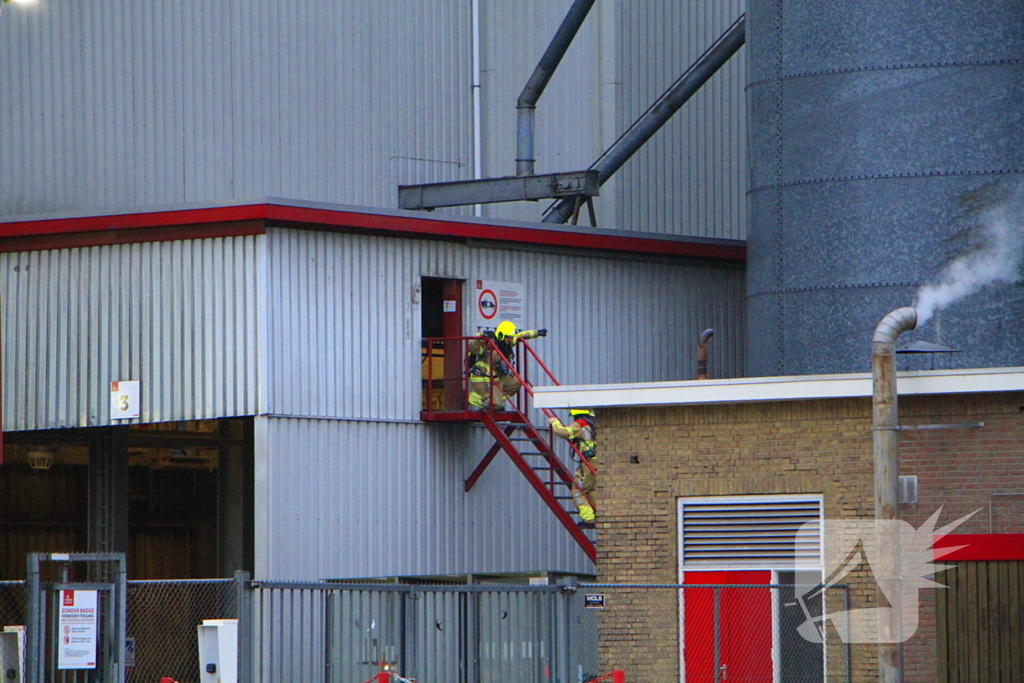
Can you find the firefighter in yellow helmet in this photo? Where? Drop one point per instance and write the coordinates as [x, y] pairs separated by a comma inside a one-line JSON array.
[[582, 432], [485, 366]]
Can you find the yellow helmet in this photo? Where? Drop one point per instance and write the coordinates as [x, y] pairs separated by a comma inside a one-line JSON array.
[[505, 329], [576, 412]]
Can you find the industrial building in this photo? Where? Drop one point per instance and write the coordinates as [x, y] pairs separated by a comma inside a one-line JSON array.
[[203, 199], [207, 200]]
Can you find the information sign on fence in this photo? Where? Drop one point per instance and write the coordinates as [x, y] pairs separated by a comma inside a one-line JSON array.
[[76, 629], [593, 601]]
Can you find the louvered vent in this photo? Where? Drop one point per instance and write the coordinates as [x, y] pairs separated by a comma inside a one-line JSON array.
[[908, 489], [751, 533]]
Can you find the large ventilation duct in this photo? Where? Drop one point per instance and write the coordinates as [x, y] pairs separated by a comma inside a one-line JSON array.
[[879, 132]]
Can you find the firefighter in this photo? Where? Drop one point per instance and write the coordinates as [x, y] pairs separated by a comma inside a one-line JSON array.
[[485, 366], [582, 432]]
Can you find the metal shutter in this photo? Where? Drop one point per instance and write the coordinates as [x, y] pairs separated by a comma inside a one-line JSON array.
[[751, 532]]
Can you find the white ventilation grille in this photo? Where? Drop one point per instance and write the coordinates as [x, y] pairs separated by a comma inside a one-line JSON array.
[[751, 532], [908, 489]]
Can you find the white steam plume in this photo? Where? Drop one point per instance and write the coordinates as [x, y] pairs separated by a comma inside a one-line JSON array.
[[996, 259]]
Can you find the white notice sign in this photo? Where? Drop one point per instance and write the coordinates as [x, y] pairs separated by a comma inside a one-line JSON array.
[[495, 302], [124, 399], [76, 629]]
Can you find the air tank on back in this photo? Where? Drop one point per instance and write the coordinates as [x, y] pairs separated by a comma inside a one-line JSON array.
[[886, 141]]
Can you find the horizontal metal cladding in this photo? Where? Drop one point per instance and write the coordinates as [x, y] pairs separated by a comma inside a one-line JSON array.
[[344, 329], [119, 103], [346, 499], [696, 165], [180, 317]]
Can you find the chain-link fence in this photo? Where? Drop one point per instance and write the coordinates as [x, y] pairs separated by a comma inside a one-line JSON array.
[[699, 633], [162, 621], [715, 633]]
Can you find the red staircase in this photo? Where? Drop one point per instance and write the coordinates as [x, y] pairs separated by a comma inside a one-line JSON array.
[[446, 391]]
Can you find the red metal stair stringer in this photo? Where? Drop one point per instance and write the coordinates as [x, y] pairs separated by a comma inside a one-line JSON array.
[[548, 497]]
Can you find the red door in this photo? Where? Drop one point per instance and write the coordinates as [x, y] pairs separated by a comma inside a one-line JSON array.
[[454, 360], [735, 646]]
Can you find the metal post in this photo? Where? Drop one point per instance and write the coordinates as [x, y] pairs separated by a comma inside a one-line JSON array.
[[121, 616], [243, 612], [563, 661], [885, 430], [718, 634], [34, 627]]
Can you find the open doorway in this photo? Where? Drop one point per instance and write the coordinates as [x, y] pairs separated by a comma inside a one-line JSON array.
[[176, 497], [442, 360]]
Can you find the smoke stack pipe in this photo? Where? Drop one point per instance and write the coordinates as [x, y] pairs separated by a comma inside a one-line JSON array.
[[885, 428], [702, 353]]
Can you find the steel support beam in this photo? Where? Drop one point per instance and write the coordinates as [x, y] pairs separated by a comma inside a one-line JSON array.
[[496, 190]]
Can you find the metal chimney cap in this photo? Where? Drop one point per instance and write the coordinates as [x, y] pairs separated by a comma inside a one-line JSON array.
[[926, 347]]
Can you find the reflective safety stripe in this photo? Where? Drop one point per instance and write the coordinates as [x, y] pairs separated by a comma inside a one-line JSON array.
[[587, 513]]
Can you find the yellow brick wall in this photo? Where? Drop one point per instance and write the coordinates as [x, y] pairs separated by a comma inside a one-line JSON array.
[[650, 457]]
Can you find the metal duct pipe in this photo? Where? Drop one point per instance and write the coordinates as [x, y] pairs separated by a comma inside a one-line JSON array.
[[526, 105], [702, 353], [651, 121], [885, 430]]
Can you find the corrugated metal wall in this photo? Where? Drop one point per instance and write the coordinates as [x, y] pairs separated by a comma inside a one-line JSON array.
[[111, 104], [179, 316], [342, 499], [345, 333], [344, 344], [696, 165]]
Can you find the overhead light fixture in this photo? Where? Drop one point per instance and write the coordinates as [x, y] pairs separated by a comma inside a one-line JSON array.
[[39, 457], [20, 2]]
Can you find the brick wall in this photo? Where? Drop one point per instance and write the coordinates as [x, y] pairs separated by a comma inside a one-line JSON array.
[[650, 457]]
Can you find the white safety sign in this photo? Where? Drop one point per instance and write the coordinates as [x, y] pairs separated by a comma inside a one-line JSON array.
[[76, 630], [124, 399], [496, 302]]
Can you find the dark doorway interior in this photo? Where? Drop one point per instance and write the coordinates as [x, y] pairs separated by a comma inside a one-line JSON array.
[[441, 320], [176, 497]]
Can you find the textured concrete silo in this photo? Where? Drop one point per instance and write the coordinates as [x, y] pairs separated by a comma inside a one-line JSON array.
[[884, 134]]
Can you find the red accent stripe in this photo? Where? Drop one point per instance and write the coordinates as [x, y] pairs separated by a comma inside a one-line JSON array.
[[980, 547], [182, 224]]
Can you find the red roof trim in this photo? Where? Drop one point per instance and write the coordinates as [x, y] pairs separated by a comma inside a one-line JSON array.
[[980, 547], [185, 222]]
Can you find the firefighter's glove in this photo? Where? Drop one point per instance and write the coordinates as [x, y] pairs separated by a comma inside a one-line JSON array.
[[542, 333], [552, 420]]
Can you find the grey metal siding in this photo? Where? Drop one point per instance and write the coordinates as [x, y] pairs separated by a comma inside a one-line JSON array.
[[343, 499], [111, 104], [344, 337], [179, 316], [691, 177]]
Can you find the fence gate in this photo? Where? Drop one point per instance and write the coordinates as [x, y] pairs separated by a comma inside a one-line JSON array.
[[76, 618]]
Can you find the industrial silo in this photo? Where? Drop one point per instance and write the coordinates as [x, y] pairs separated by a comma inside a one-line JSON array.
[[886, 138]]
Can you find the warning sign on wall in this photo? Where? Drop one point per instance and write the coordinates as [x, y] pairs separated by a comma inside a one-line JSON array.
[[497, 301], [76, 629]]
